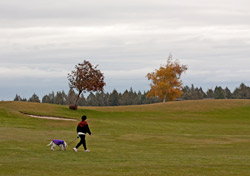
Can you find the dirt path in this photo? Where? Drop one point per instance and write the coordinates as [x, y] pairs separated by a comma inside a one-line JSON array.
[[50, 118]]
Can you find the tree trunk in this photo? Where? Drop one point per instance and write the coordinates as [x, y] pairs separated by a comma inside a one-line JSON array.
[[74, 106], [77, 98], [165, 98]]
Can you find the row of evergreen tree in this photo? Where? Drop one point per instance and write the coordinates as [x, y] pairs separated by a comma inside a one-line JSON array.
[[130, 97], [98, 99], [195, 93]]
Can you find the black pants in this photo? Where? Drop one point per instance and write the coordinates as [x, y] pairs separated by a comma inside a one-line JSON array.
[[82, 142]]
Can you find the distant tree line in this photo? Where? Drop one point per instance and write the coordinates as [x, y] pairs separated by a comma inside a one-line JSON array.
[[195, 93], [130, 97]]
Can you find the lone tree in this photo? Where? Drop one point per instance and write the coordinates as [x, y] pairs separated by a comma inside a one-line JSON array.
[[85, 77], [166, 83], [34, 98]]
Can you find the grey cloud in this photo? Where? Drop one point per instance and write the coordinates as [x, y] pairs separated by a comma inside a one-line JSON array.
[[67, 12], [127, 39]]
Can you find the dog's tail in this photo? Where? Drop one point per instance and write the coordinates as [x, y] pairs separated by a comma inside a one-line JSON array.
[[50, 143]]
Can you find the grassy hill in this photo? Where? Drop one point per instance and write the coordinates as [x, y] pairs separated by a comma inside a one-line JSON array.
[[205, 137]]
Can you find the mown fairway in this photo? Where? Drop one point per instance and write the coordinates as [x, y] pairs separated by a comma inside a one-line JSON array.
[[190, 138]]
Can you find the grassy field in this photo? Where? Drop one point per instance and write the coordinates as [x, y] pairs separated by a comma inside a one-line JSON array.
[[190, 138]]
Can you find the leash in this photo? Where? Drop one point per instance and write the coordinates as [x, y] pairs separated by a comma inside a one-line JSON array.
[[72, 141]]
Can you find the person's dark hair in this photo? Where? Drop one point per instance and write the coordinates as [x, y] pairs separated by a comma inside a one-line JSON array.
[[84, 117]]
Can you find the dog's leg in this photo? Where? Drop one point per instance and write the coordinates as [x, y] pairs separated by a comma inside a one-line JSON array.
[[65, 145], [52, 147], [61, 146], [50, 143]]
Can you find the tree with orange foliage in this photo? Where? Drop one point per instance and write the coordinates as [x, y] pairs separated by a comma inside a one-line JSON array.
[[166, 83], [86, 77]]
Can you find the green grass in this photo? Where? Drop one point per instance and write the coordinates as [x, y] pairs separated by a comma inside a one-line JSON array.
[[190, 138]]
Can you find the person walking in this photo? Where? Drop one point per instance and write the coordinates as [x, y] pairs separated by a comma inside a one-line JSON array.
[[82, 129]]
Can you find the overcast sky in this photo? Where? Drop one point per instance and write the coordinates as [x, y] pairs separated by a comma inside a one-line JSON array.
[[41, 41]]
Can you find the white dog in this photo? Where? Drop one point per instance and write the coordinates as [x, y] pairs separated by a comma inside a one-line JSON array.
[[56, 142]]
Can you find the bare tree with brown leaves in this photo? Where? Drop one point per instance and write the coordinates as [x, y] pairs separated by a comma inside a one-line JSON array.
[[85, 77]]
